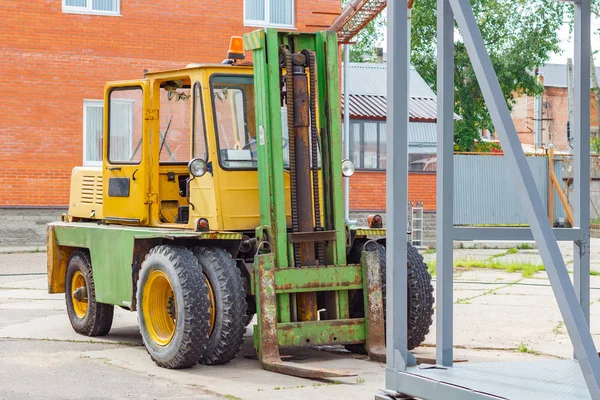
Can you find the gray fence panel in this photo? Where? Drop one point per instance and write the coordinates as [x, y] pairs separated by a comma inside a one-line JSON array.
[[484, 193]]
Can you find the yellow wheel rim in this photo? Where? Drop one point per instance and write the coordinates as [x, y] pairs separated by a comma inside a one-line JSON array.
[[79, 306], [213, 305], [159, 307]]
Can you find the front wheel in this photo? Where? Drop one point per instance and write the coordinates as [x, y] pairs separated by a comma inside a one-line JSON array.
[[87, 316], [173, 307], [420, 293]]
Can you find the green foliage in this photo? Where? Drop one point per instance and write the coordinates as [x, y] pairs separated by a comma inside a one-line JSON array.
[[524, 246], [520, 35], [367, 40], [522, 348], [486, 147], [595, 144]]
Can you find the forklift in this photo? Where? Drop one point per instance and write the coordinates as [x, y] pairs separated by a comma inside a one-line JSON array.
[[219, 203]]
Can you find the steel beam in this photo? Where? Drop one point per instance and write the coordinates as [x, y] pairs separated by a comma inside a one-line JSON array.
[[398, 356], [564, 291], [581, 156], [445, 183], [508, 233]]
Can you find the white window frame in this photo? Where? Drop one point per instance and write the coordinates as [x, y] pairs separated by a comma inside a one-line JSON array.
[[88, 9], [86, 104], [265, 23]]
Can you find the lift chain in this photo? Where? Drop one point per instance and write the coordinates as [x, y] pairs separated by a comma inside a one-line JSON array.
[[289, 101], [314, 138]]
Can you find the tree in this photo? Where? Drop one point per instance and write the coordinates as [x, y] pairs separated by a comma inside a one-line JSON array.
[[520, 35], [367, 40]]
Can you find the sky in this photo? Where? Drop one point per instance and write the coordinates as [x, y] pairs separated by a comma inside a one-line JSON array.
[[567, 44]]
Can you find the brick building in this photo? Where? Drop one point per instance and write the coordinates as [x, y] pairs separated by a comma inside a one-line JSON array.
[[554, 110], [368, 109], [56, 57]]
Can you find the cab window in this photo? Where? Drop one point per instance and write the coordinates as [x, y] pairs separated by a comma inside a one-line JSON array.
[[233, 105], [235, 122], [175, 122], [125, 125], [199, 142]]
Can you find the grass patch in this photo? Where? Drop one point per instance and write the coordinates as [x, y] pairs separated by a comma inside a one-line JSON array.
[[594, 273], [232, 397], [512, 250], [527, 269], [429, 251], [432, 267], [558, 328], [524, 246], [522, 348], [360, 380]]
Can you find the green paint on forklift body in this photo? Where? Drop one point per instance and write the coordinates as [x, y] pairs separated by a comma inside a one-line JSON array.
[[275, 279], [117, 251]]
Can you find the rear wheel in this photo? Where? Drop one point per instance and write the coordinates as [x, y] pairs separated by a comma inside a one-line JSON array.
[[173, 306], [87, 316], [228, 305], [420, 293]]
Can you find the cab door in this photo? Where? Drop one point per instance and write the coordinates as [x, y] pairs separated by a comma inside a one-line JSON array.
[[126, 152]]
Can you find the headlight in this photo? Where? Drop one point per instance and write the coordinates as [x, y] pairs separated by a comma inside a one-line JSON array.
[[197, 167], [347, 168]]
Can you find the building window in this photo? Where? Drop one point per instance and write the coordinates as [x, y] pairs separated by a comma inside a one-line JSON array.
[[102, 7], [277, 13], [92, 132], [367, 144], [368, 147], [422, 162]]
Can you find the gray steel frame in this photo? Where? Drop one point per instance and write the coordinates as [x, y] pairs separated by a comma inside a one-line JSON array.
[[573, 299]]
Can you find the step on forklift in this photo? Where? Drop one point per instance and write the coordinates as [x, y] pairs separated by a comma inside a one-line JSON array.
[[220, 197]]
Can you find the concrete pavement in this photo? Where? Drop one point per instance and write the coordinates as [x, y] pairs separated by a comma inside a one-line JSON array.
[[499, 316]]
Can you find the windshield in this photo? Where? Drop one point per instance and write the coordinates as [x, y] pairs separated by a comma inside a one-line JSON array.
[[235, 122]]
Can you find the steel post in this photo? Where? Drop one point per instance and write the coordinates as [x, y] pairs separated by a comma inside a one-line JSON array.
[[398, 356], [445, 183], [564, 291], [581, 156]]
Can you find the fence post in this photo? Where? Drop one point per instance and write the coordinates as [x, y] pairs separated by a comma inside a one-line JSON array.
[[550, 186]]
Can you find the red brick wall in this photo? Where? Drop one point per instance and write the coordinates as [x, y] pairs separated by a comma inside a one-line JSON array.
[[367, 190], [52, 61], [557, 125]]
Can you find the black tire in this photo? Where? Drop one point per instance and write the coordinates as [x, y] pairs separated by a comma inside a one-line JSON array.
[[420, 293], [225, 279], [188, 299], [98, 316]]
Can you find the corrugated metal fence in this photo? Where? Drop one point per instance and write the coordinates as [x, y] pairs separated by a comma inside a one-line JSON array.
[[484, 191]]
